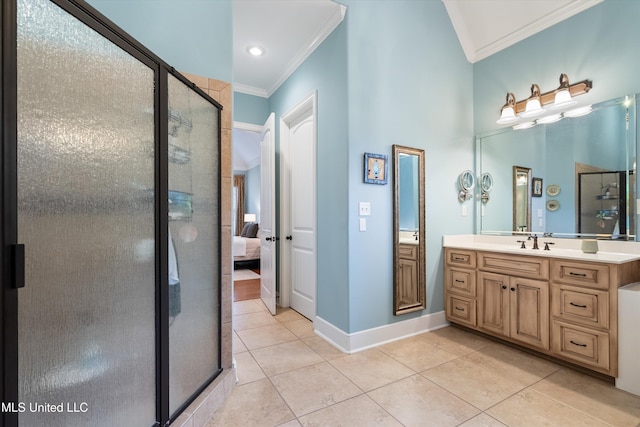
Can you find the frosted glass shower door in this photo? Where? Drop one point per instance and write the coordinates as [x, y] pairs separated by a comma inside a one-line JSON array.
[[86, 322], [194, 250]]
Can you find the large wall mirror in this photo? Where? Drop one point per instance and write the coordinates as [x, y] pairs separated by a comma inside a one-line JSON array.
[[584, 168], [409, 285]]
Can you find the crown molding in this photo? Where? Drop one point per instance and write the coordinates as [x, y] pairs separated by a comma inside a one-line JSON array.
[[311, 46], [250, 90], [475, 54]]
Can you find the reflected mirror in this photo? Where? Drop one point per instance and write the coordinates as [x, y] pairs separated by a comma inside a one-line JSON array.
[[521, 199], [576, 155], [409, 285]]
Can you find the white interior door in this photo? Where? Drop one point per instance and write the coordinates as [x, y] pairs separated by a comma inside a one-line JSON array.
[[267, 215], [299, 128]]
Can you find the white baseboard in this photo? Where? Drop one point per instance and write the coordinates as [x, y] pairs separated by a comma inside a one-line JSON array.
[[362, 340]]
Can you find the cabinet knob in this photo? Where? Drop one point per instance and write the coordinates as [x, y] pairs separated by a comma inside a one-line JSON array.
[[513, 289], [504, 286]]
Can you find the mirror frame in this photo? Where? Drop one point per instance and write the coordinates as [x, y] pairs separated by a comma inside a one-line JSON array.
[[418, 301], [519, 170]]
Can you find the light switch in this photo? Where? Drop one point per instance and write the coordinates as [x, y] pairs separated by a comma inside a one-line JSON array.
[[365, 208], [464, 210], [540, 214], [363, 224]]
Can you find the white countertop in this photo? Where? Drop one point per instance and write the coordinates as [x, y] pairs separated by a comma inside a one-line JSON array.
[[610, 251]]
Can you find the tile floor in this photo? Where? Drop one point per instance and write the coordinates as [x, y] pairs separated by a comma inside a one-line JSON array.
[[289, 377]]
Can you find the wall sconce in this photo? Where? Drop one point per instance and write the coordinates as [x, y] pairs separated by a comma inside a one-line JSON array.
[[533, 106], [508, 111], [249, 218], [466, 181]]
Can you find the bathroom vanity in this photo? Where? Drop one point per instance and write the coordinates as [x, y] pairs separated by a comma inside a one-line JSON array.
[[560, 302]]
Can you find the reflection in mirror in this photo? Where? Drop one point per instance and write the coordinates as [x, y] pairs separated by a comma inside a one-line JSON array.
[[521, 199], [408, 230], [560, 153], [486, 185]]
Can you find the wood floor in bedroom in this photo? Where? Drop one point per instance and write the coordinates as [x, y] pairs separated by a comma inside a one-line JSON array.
[[247, 289]]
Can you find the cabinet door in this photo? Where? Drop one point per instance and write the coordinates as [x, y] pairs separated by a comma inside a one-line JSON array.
[[408, 283], [529, 311], [493, 302]]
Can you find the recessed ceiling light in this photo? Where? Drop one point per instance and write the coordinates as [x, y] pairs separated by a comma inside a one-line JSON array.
[[255, 50]]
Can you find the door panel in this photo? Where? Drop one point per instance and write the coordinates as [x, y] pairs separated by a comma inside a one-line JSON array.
[[303, 214], [493, 310], [86, 318], [530, 311], [194, 228], [267, 215]]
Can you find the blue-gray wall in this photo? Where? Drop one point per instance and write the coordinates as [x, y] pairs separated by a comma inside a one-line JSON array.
[[195, 36], [410, 84], [252, 192], [250, 108]]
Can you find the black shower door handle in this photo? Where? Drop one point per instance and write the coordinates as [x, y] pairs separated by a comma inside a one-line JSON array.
[[18, 262]]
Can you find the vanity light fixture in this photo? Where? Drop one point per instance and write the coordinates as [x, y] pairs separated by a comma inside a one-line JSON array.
[[549, 119], [563, 97], [579, 112], [533, 107], [556, 99], [525, 125], [508, 111]]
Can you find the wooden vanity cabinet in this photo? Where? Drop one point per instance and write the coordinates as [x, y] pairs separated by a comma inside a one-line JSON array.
[[560, 307], [512, 306], [460, 286], [408, 281], [584, 311]]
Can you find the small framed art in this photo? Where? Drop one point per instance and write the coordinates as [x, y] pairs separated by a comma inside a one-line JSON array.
[[537, 187], [376, 167]]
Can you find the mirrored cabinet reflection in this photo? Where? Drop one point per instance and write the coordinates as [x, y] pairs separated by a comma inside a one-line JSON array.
[[408, 230]]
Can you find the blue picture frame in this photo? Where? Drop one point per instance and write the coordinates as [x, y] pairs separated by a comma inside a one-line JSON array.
[[376, 168]]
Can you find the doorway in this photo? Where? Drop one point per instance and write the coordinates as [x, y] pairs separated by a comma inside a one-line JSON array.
[[298, 175]]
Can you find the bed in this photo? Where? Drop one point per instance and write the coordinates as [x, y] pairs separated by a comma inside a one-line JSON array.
[[246, 247]]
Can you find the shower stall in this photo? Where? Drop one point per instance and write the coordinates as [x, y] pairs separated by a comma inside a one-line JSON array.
[[111, 235]]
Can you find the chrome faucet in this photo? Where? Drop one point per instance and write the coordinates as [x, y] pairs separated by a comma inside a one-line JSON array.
[[535, 241]]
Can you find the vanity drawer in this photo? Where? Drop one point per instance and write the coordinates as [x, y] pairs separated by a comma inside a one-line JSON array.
[[580, 273], [461, 310], [581, 344], [461, 281], [460, 258], [532, 267], [408, 251], [589, 307]]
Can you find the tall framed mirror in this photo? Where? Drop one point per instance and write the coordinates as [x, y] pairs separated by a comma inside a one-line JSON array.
[[409, 284], [521, 199]]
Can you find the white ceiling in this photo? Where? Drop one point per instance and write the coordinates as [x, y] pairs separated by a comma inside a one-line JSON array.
[[485, 27], [290, 30]]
